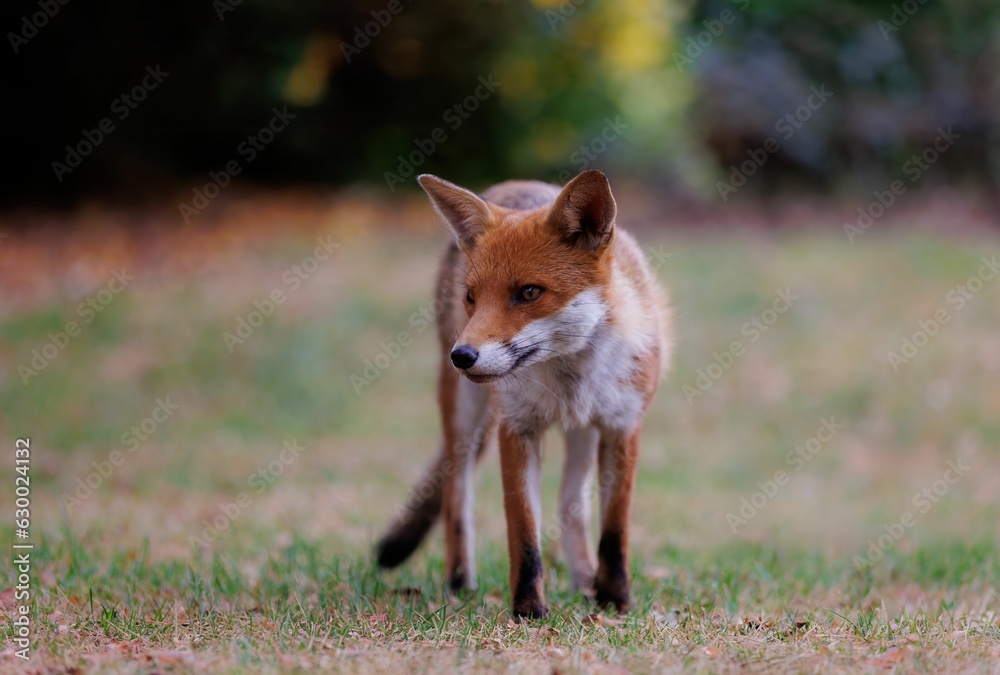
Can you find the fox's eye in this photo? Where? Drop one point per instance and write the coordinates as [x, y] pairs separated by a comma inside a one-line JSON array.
[[468, 297], [528, 293]]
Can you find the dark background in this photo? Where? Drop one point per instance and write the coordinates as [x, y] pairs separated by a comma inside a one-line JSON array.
[[564, 69]]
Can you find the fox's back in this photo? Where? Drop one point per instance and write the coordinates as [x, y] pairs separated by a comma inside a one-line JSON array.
[[522, 195]]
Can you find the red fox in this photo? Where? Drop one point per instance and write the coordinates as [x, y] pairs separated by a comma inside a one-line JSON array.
[[550, 316]]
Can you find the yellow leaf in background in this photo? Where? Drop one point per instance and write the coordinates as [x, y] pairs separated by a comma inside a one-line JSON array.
[[651, 98], [307, 80], [553, 141], [635, 45], [519, 77]]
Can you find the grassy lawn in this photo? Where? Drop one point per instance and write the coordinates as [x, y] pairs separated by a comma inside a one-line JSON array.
[[761, 541]]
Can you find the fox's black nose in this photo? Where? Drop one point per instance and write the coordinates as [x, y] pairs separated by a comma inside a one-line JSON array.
[[464, 356]]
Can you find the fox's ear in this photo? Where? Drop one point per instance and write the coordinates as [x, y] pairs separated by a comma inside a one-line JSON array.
[[466, 214], [584, 212]]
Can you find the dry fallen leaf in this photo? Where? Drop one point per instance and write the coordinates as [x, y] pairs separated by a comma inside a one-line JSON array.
[[379, 620], [169, 656], [544, 634], [892, 656], [670, 619], [131, 647], [658, 573], [7, 599], [673, 617], [757, 623], [600, 620]]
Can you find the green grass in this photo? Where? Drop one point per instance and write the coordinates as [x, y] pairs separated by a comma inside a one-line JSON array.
[[302, 598], [288, 584]]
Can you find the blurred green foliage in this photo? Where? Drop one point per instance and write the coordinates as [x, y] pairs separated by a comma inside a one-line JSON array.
[[669, 91]]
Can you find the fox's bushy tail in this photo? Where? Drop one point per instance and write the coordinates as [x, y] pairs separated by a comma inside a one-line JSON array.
[[415, 519]]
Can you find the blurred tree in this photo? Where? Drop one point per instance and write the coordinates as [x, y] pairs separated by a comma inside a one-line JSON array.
[[383, 88], [898, 72]]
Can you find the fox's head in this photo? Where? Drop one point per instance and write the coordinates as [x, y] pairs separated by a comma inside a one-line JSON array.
[[534, 279]]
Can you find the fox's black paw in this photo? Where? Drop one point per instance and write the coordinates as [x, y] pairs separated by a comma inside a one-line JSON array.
[[617, 599], [530, 610]]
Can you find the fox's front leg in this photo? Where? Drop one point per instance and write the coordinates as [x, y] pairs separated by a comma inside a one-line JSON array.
[[520, 470], [466, 431], [618, 455]]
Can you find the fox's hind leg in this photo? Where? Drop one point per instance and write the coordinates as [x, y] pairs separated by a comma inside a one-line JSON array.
[[447, 485], [574, 507]]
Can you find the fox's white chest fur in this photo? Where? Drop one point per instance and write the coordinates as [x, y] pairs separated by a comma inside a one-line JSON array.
[[576, 391], [593, 382]]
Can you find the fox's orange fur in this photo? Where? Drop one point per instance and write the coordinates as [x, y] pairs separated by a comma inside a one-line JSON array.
[[551, 316]]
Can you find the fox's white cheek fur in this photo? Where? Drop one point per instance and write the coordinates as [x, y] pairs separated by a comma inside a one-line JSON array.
[[565, 332]]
